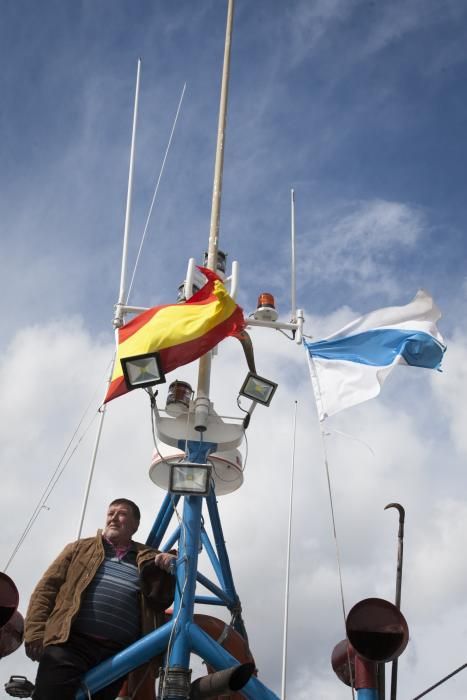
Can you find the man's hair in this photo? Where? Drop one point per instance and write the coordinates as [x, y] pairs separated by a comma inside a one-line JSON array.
[[134, 508]]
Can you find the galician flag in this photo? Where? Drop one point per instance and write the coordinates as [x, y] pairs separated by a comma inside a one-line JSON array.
[[180, 333], [350, 366]]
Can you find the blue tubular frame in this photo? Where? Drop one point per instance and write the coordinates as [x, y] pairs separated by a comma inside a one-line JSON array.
[[133, 656], [181, 636], [216, 656], [162, 521], [171, 541], [206, 542], [220, 543], [218, 592]]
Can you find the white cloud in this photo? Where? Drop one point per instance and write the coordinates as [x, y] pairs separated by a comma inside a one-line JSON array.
[[310, 21], [450, 386], [358, 245], [42, 407]]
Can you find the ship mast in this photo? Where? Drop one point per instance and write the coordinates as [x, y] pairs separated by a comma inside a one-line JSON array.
[[204, 371]]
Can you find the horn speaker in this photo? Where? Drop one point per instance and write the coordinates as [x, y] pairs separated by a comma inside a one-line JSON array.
[[11, 621], [377, 630]]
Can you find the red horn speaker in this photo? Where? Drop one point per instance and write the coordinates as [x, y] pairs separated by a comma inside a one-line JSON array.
[[342, 655], [377, 630], [11, 621]]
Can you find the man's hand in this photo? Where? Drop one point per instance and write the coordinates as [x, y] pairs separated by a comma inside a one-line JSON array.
[[165, 561], [34, 649]]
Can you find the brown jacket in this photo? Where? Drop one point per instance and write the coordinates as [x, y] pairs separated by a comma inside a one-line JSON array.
[[56, 599]]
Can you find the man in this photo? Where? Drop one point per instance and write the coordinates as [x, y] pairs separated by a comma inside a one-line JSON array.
[[99, 595]]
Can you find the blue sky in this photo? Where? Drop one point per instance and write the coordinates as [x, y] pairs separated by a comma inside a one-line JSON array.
[[360, 107]]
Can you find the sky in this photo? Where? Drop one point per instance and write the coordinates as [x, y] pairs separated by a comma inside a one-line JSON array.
[[357, 105]]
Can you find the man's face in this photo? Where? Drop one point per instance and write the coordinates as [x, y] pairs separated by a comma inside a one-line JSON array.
[[120, 524]]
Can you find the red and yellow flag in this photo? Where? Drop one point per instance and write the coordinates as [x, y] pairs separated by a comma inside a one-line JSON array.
[[180, 333]]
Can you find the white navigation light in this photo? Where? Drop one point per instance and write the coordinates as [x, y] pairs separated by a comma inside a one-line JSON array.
[[190, 478], [142, 370], [258, 389]]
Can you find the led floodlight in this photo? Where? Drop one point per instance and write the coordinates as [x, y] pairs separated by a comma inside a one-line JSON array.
[[190, 478], [258, 389], [142, 370]]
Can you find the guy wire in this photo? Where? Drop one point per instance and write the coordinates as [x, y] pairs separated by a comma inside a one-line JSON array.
[[53, 480], [155, 193], [334, 529]]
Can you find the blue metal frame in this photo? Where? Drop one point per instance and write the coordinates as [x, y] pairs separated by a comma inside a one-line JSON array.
[[181, 633]]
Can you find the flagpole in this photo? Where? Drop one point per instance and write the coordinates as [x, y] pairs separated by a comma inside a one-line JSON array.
[[204, 371]]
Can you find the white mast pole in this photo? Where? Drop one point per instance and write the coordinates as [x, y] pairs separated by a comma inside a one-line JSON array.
[[204, 372], [287, 575], [118, 318], [292, 233]]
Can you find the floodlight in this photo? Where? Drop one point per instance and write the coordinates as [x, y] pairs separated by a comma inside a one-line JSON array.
[[142, 370], [258, 389], [190, 478]]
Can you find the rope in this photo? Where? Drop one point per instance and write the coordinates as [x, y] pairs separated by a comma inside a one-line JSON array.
[[334, 530], [316, 386], [53, 480], [353, 437], [155, 193]]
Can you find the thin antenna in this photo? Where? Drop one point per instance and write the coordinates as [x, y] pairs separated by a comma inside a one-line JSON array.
[[287, 575], [118, 319], [292, 234]]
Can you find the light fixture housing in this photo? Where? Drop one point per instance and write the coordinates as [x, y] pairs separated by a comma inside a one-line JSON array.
[[190, 479], [266, 309], [142, 370], [258, 389]]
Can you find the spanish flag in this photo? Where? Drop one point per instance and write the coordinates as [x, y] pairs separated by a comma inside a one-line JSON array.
[[180, 333]]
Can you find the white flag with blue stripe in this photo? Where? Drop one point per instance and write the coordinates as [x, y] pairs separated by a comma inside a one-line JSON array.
[[350, 366]]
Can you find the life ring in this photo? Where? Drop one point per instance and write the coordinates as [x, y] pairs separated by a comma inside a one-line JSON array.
[[225, 635], [231, 640]]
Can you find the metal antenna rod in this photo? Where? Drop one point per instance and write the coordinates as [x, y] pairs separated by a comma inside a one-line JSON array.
[[204, 372], [293, 318], [118, 320], [443, 680], [287, 575]]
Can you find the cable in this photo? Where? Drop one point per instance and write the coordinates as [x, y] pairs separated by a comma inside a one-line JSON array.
[[289, 337], [155, 194], [52, 482], [443, 680], [246, 450], [141, 681], [315, 381], [352, 437]]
